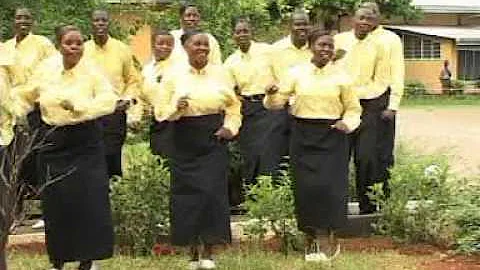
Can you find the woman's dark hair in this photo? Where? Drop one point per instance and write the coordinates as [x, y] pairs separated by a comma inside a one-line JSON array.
[[159, 31], [62, 30], [315, 34], [188, 34], [240, 19], [185, 6]]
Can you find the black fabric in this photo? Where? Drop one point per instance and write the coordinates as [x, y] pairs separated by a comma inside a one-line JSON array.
[[367, 149], [114, 164], [199, 198], [263, 140], [76, 207], [319, 156], [114, 131], [161, 138]]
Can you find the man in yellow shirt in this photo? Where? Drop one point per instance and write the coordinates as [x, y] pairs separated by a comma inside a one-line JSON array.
[[116, 60], [393, 65], [190, 19], [364, 60]]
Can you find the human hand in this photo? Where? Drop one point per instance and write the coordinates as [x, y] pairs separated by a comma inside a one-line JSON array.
[[271, 89], [224, 133], [340, 125]]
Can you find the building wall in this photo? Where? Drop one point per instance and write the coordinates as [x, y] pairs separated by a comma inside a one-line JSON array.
[[428, 71]]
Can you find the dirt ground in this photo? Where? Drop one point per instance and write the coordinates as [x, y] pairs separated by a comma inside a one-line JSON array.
[[454, 129]]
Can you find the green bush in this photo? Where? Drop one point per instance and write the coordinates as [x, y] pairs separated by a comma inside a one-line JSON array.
[[458, 86], [427, 204], [140, 200], [414, 89]]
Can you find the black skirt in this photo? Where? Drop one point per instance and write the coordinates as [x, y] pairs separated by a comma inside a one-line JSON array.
[[114, 131], [319, 156], [161, 137], [263, 139], [199, 199], [78, 220]]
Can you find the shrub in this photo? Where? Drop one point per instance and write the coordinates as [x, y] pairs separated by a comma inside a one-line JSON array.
[[457, 86], [414, 89], [427, 204], [140, 200]]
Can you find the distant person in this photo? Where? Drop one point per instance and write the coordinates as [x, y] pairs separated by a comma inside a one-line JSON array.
[[190, 19], [446, 78]]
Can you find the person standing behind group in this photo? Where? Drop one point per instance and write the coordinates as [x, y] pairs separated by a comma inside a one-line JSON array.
[[289, 52], [71, 95], [371, 82], [190, 19], [392, 65], [251, 71], [162, 43], [117, 62], [198, 99], [29, 50], [326, 108]]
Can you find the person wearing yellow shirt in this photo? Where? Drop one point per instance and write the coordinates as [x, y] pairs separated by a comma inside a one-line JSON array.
[[71, 95], [326, 109], [198, 99], [6, 77], [190, 19], [393, 65], [251, 70], [363, 61], [162, 43], [117, 62], [289, 52]]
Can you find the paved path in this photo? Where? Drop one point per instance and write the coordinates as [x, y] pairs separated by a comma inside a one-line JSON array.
[[455, 129]]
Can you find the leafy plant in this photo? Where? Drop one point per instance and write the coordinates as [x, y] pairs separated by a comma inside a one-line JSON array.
[[140, 200], [414, 89]]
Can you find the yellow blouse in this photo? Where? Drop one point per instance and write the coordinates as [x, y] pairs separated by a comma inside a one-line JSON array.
[[32, 50], [320, 93], [251, 71], [361, 62], [286, 55], [214, 57], [153, 73], [83, 86], [209, 91]]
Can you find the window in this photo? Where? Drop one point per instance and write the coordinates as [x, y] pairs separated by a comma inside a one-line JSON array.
[[420, 47], [469, 64]]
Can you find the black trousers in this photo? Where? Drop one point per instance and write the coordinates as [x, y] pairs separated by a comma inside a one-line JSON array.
[[372, 147], [114, 164]]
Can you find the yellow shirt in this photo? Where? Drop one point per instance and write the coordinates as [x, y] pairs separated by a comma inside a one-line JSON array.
[[84, 86], [251, 71], [361, 62], [209, 91], [6, 118], [32, 50], [214, 57], [392, 63], [116, 61], [153, 74], [320, 93], [286, 55]]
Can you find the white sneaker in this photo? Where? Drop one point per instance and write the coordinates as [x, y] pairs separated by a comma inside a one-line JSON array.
[[316, 257], [207, 264], [193, 265], [39, 225], [94, 266]]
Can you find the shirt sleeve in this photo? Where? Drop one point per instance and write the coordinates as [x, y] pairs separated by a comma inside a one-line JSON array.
[[104, 99], [397, 63], [164, 107], [351, 105], [133, 87], [286, 89], [215, 56], [233, 116]]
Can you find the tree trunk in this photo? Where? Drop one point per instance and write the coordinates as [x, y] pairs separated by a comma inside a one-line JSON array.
[[3, 259]]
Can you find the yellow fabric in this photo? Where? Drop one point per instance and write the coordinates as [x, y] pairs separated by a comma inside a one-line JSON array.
[[84, 86], [392, 63], [251, 71], [286, 55], [32, 50], [214, 57], [7, 120], [153, 73], [361, 61], [116, 61], [324, 93], [209, 91]]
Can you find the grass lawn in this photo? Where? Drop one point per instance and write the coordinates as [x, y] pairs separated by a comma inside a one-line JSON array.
[[441, 101], [232, 260]]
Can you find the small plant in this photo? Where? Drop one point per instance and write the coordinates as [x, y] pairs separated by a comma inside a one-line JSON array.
[[414, 89], [140, 200], [270, 208], [457, 87]]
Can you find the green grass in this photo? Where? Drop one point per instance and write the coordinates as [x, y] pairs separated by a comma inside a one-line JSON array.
[[441, 101], [233, 260]]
